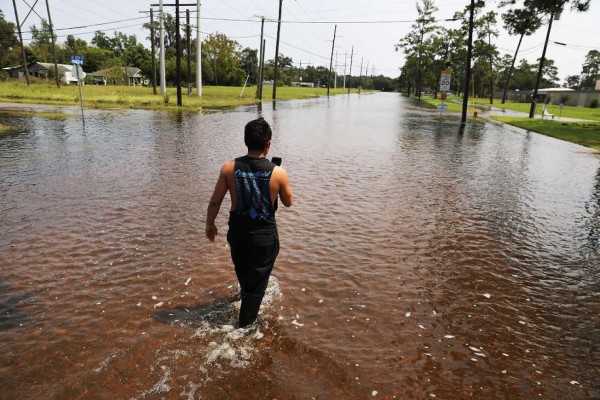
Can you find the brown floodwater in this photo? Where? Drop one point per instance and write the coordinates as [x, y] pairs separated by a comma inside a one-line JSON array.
[[419, 260]]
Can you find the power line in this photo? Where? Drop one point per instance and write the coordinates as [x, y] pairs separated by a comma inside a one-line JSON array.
[[98, 24], [298, 48], [89, 32], [574, 46]]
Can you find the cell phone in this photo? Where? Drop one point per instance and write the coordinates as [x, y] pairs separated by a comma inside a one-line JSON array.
[[277, 161]]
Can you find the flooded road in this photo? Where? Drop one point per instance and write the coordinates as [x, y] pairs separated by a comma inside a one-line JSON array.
[[419, 261]]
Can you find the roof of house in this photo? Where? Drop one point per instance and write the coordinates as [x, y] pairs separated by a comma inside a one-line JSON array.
[[555, 90], [131, 72]]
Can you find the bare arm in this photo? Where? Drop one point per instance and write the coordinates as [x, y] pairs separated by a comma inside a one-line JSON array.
[[285, 191], [214, 205]]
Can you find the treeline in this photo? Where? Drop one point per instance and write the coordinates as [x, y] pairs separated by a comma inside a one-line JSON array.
[[429, 46], [224, 61]]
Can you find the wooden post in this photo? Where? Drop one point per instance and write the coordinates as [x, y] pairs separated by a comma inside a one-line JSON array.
[[22, 45], [53, 45], [277, 52], [153, 51]]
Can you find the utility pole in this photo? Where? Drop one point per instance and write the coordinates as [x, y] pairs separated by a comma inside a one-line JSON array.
[[260, 77], [153, 51], [345, 59], [350, 73], [331, 60], [367, 74], [178, 51], [161, 17], [163, 87], [53, 45], [277, 52], [335, 73], [540, 70], [491, 65], [22, 45], [198, 53], [465, 104], [360, 75], [189, 52], [262, 67]]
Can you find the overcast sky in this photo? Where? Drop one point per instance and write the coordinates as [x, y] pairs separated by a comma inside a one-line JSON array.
[[372, 27]]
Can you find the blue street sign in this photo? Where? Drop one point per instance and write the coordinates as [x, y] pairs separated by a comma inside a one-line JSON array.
[[442, 107], [77, 60]]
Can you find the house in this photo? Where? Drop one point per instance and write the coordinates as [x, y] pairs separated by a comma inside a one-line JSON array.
[[303, 84], [117, 76], [66, 73]]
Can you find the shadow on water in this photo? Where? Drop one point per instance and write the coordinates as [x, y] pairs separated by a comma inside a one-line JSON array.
[[11, 301], [218, 312]]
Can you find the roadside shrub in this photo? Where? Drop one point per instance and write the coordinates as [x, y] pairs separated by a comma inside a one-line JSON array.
[[594, 103], [166, 98]]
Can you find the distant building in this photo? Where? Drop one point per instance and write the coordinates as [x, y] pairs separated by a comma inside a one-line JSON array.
[[132, 76], [303, 84], [598, 84], [66, 73], [570, 97]]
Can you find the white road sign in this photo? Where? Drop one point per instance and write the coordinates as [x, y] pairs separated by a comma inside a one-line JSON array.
[[445, 82]]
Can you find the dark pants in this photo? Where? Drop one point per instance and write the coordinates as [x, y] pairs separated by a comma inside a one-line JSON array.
[[253, 256]]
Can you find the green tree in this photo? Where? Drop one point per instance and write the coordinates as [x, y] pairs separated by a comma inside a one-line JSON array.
[[521, 22], [285, 70], [95, 59], [524, 76], [408, 75], [590, 71], [573, 81], [418, 44], [9, 53], [485, 53], [222, 57], [447, 44], [170, 33], [102, 41], [41, 42], [549, 74], [249, 64], [138, 56]]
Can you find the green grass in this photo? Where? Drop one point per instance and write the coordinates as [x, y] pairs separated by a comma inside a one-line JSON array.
[[142, 97], [583, 133], [28, 113], [592, 114], [454, 107]]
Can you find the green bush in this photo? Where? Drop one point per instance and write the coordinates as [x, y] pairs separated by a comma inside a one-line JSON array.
[[594, 103]]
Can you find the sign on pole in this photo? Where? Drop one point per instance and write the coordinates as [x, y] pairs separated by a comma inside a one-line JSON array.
[[445, 81], [77, 60]]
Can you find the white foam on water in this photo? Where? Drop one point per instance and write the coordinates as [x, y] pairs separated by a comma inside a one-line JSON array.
[[159, 387], [238, 347], [214, 348]]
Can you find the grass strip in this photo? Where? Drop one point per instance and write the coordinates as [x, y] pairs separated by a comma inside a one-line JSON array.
[[213, 97], [584, 133], [592, 114]]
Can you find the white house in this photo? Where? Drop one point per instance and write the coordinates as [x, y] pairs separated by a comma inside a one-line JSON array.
[[67, 74]]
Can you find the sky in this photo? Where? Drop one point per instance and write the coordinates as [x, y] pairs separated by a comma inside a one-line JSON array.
[[372, 27]]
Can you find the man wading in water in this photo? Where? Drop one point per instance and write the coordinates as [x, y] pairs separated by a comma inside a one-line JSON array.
[[254, 183]]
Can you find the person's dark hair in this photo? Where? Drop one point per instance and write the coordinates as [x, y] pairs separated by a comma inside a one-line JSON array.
[[256, 134]]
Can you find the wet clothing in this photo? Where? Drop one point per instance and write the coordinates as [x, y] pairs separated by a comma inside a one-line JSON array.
[[252, 234]]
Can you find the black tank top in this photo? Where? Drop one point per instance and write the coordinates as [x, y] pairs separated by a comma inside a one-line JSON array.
[[253, 190]]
